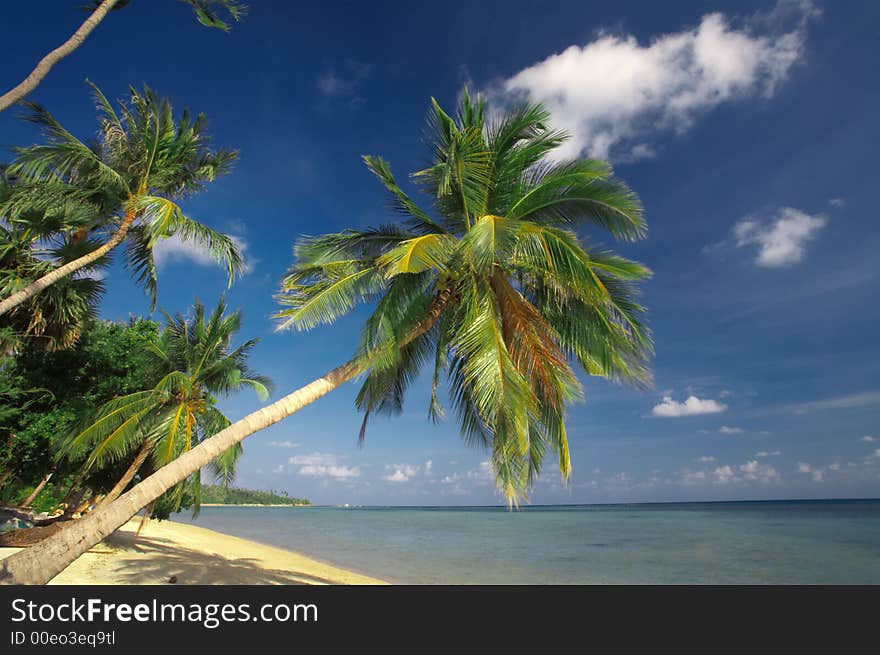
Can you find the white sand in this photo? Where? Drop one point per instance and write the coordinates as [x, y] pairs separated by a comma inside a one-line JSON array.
[[195, 556]]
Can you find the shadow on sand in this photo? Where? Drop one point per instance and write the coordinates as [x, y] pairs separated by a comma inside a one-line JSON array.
[[165, 559]]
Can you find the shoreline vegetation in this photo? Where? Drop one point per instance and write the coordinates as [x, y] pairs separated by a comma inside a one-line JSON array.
[[188, 554], [222, 496]]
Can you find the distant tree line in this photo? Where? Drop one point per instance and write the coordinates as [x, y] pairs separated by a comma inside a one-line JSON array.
[[218, 494]]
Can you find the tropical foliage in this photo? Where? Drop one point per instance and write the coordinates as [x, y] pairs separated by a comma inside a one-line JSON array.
[[522, 292], [45, 395], [196, 365], [226, 495], [66, 204]]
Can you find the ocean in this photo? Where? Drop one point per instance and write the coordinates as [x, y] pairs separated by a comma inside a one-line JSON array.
[[766, 542]]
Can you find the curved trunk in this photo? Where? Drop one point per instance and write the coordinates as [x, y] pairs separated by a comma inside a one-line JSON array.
[[45, 65], [42, 562], [129, 474], [52, 277], [36, 492]]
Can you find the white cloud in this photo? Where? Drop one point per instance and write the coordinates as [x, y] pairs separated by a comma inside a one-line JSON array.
[[706, 458], [724, 429], [401, 472], [323, 465], [765, 453], [693, 406], [755, 471], [614, 92], [283, 444], [752, 471], [480, 476], [724, 475], [817, 474], [837, 202], [868, 439], [176, 249], [429, 467], [782, 240]]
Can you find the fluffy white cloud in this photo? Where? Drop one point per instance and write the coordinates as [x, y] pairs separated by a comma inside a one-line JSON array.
[[755, 471], [176, 249], [765, 453], [614, 93], [783, 239], [693, 406], [401, 472], [283, 444], [868, 439], [817, 474], [724, 429], [751, 472], [706, 458], [723, 475], [324, 465]]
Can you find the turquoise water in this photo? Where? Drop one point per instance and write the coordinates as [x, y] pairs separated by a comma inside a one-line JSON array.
[[790, 542]]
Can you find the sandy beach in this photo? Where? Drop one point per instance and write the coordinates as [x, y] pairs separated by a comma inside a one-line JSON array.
[[194, 555]]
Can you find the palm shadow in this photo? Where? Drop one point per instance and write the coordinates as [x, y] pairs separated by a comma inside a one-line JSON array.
[[192, 567]]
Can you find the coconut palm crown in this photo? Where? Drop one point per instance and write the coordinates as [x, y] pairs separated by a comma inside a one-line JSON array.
[[514, 296], [124, 186], [197, 365]]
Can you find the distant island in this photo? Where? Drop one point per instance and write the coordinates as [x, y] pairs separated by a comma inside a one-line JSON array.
[[220, 495]]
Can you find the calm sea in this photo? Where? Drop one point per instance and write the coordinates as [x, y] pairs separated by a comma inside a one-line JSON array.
[[778, 542]]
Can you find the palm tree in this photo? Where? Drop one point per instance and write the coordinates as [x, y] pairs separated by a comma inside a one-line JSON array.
[[29, 248], [126, 183], [494, 285], [205, 10], [197, 364]]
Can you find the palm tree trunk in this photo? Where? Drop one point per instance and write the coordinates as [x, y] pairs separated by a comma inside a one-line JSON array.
[[42, 562], [52, 277], [31, 81], [127, 477], [36, 492]]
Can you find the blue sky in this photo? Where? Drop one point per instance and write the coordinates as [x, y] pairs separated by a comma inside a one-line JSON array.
[[747, 128]]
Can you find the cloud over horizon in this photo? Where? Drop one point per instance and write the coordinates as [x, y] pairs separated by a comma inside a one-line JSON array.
[[324, 465]]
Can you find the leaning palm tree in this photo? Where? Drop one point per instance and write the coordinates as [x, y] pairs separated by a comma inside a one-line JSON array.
[[493, 284], [206, 12], [126, 185], [197, 364]]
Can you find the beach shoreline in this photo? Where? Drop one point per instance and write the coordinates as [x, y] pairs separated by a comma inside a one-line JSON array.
[[252, 505], [190, 554]]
